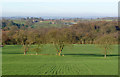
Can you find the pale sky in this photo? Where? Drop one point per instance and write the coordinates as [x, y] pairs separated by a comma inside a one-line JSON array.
[[74, 8]]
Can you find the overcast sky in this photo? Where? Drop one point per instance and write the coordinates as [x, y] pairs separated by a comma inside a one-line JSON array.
[[74, 8]]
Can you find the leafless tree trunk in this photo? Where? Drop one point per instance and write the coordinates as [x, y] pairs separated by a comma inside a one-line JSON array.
[[36, 53], [59, 53], [25, 52], [105, 53]]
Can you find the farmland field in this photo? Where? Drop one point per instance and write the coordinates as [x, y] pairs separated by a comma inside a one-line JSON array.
[[77, 60]]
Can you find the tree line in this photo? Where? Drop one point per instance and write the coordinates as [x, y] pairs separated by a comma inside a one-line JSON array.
[[88, 32]]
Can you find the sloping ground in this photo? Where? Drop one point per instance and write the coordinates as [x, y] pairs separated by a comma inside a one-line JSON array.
[[78, 60]]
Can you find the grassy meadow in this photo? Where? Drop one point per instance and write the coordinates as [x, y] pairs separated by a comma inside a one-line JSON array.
[[77, 60]]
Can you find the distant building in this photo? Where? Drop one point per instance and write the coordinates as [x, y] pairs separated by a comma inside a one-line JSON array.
[[35, 20], [52, 23], [41, 21]]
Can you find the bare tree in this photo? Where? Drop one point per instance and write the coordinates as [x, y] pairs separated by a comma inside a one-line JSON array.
[[58, 39], [105, 42]]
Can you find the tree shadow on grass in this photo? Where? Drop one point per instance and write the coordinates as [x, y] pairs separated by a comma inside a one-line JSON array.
[[11, 53], [97, 55]]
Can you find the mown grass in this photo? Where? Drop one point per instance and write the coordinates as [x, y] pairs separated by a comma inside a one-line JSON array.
[[78, 60]]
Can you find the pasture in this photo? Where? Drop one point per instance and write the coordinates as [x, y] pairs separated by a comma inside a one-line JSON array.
[[77, 60]]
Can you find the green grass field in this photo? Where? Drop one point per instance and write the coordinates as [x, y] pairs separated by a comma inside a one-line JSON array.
[[78, 60]]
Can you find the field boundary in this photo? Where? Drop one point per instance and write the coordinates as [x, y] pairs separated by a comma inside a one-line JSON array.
[[60, 76]]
